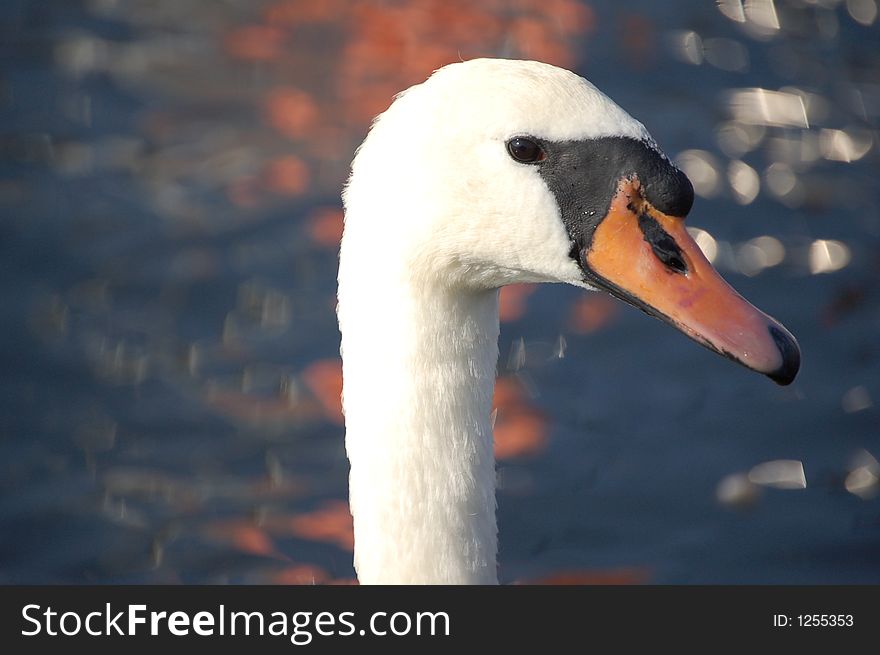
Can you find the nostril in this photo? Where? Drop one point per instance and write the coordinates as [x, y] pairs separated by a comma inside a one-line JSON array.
[[671, 260], [663, 245]]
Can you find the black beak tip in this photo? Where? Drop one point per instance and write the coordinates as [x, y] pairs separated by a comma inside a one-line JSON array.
[[791, 356]]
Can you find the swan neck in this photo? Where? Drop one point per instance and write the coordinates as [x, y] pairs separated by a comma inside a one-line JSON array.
[[419, 366]]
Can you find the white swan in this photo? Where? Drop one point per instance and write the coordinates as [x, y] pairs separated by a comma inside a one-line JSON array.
[[493, 172]]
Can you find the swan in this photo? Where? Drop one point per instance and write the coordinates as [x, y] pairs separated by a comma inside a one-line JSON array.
[[493, 172]]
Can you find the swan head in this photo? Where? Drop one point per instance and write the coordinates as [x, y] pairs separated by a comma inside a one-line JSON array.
[[496, 171]]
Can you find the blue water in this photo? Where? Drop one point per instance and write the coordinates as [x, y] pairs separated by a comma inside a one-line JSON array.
[[146, 313]]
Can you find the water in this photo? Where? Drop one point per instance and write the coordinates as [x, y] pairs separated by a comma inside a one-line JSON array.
[[169, 203]]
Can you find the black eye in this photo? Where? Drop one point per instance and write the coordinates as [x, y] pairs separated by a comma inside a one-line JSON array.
[[525, 150]]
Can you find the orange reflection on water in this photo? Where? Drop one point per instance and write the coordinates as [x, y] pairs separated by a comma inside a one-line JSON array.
[[622, 576], [331, 522], [325, 226], [512, 301], [292, 111], [301, 574], [287, 176], [520, 428], [328, 97], [592, 312], [396, 44], [244, 536], [324, 380]]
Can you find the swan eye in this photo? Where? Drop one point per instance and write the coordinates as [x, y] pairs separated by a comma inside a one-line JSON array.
[[525, 150]]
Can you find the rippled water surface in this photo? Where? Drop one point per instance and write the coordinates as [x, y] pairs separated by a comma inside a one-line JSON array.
[[169, 216]]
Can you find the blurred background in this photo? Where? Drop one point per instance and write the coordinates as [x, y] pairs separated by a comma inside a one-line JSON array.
[[169, 219]]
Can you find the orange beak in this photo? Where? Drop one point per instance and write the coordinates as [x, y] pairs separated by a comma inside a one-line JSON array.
[[649, 260]]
